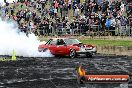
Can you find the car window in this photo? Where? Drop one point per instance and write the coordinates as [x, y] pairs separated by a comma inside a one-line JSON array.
[[60, 42], [72, 41], [53, 42]]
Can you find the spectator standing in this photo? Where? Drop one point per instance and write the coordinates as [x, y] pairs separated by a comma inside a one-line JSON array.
[[113, 26], [69, 4], [108, 23], [82, 7], [104, 6], [61, 7], [56, 5], [122, 7], [76, 12], [55, 12]]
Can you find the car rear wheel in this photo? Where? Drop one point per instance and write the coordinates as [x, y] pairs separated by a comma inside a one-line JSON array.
[[72, 53], [44, 50], [89, 55]]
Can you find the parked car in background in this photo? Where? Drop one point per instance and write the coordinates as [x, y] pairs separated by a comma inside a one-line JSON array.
[[67, 47]]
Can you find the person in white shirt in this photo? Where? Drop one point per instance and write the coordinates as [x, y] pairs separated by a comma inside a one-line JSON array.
[[55, 12], [122, 7], [77, 12]]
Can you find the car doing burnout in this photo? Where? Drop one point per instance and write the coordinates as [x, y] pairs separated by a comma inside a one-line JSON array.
[[67, 47]]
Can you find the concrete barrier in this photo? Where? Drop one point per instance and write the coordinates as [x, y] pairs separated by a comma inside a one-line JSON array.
[[117, 50]]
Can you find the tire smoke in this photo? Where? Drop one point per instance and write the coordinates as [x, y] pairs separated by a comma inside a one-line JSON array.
[[12, 39]]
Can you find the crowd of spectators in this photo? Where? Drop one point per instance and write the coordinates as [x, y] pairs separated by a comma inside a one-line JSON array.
[[46, 17]]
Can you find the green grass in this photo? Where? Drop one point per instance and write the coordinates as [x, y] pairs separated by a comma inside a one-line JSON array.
[[126, 43], [100, 42]]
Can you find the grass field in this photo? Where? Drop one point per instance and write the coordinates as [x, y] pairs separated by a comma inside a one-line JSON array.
[[108, 42], [101, 42]]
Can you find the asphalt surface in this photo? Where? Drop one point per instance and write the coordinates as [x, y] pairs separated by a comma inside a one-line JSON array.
[[60, 72]]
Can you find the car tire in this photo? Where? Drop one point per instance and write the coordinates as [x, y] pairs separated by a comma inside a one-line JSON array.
[[72, 53], [89, 55], [44, 50]]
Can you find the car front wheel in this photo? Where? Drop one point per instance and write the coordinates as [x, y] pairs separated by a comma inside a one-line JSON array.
[[72, 53]]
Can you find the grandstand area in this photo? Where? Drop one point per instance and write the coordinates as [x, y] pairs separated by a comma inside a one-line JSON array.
[[70, 17]]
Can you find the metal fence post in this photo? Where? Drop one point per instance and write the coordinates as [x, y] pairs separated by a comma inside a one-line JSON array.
[[98, 29]]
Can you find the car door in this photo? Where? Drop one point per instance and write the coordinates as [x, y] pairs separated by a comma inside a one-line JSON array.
[[61, 47], [52, 46]]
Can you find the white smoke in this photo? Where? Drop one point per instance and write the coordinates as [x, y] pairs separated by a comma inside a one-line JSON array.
[[11, 39]]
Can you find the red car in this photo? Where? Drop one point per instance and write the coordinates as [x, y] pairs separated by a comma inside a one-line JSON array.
[[67, 46]]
